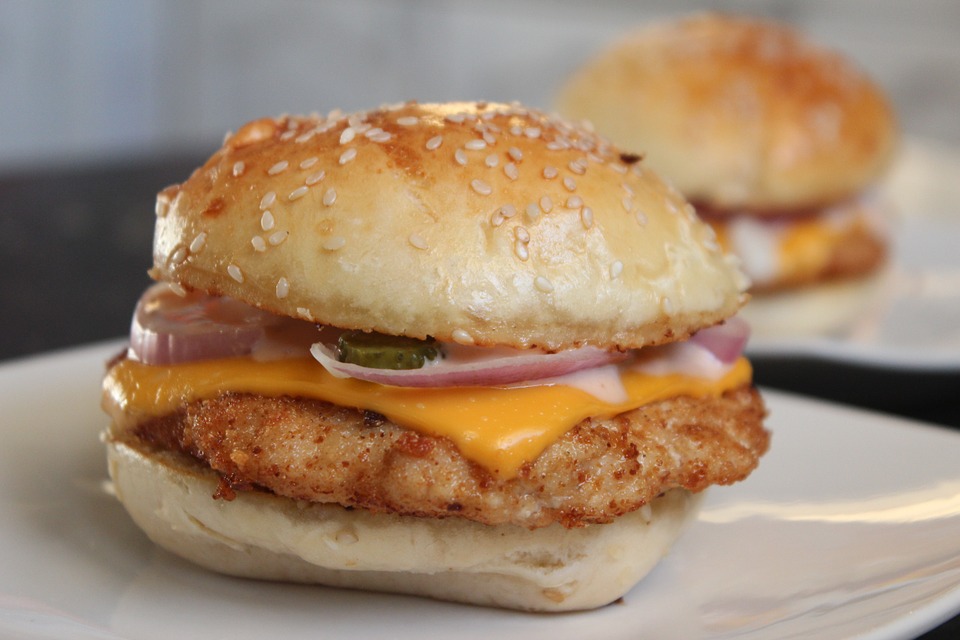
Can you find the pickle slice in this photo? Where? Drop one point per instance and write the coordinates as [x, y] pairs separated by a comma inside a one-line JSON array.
[[380, 351]]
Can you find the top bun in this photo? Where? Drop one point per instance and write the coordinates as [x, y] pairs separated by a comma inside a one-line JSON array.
[[477, 223], [738, 113]]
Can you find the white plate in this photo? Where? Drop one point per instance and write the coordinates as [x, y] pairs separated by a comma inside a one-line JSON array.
[[913, 320], [851, 527]]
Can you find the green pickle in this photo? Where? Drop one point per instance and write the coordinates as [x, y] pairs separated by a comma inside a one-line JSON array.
[[379, 351]]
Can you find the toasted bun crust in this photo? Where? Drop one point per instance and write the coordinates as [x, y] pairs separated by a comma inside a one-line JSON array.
[[738, 112], [478, 223], [260, 535]]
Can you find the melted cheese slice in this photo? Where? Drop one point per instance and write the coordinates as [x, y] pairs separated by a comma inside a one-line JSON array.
[[499, 428]]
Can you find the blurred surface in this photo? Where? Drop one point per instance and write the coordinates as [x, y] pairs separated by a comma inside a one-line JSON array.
[[96, 78], [104, 102]]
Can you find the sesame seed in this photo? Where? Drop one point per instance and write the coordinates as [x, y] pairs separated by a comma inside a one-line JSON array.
[[491, 160], [627, 204], [667, 306], [334, 242], [330, 196], [711, 244], [508, 210], [348, 155], [619, 168], [417, 241], [586, 217], [496, 218], [268, 200], [521, 233], [304, 137], [616, 269], [178, 289], [546, 204], [309, 162], [283, 288], [383, 136], [488, 138], [304, 313], [555, 145], [314, 178], [259, 244], [570, 184], [532, 132], [550, 172], [347, 135], [476, 144], [456, 118], [510, 170], [543, 284], [520, 248], [267, 220], [408, 121], [630, 190], [574, 202], [533, 211], [161, 208], [460, 157], [238, 168], [481, 187], [434, 143], [516, 154], [277, 168], [199, 240], [461, 337], [286, 135], [278, 237], [369, 133], [642, 218], [577, 167], [179, 254], [297, 193], [235, 273], [516, 130]]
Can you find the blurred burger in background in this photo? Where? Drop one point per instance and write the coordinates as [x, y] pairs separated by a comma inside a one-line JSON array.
[[778, 142]]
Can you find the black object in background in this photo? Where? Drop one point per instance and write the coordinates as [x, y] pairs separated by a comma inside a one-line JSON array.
[[75, 246]]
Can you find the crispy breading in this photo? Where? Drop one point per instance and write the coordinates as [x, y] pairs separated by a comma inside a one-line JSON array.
[[600, 469]]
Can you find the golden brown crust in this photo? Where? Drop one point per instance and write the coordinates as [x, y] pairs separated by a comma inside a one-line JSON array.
[[483, 223], [599, 470], [739, 112]]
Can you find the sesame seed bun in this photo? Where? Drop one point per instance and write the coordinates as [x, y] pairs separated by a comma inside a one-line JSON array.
[[261, 535], [740, 113], [469, 222]]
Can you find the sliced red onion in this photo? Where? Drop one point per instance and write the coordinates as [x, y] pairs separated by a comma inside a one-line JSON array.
[[169, 328], [725, 341], [498, 368]]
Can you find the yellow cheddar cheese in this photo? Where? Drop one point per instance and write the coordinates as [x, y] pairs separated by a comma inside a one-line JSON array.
[[500, 428]]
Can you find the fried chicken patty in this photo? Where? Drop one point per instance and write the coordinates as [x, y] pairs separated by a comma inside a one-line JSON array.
[[602, 468]]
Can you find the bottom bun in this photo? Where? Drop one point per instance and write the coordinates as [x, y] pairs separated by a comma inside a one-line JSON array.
[[261, 535]]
